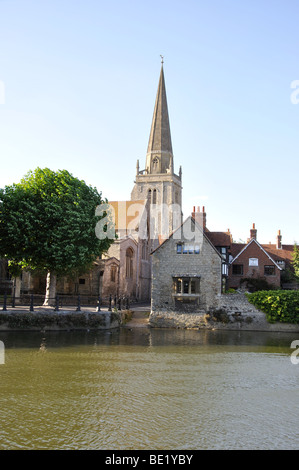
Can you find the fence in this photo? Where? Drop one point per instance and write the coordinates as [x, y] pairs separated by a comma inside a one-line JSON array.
[[32, 301]]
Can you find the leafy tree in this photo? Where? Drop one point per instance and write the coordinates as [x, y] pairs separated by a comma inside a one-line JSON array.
[[47, 224], [295, 262]]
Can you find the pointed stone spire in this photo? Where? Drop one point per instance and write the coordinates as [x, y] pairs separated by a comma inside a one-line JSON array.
[[159, 158]]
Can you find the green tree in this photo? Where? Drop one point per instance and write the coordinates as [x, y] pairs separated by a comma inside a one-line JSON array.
[[295, 262], [47, 224]]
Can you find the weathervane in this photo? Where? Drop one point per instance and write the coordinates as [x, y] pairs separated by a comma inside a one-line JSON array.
[[162, 59]]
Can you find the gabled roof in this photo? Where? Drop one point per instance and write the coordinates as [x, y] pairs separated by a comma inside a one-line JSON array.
[[285, 253], [198, 227], [253, 240]]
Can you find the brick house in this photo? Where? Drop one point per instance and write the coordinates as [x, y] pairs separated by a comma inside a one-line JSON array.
[[253, 261], [270, 262]]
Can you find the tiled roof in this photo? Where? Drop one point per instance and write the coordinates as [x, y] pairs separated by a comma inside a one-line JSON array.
[[219, 238], [236, 248], [283, 254]]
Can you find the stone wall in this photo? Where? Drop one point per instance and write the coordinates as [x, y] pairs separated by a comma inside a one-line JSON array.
[[233, 312], [45, 321]]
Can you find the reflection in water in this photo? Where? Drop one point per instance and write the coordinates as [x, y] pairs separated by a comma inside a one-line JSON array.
[[149, 389]]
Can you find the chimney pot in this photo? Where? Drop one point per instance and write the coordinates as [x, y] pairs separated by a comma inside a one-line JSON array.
[[253, 232], [278, 238]]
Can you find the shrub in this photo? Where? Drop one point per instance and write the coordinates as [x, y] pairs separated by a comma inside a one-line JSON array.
[[278, 305], [254, 284]]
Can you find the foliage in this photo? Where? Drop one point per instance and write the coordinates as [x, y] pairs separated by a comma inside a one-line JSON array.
[[295, 262], [278, 305], [230, 291], [287, 275], [54, 321], [257, 283], [47, 223]]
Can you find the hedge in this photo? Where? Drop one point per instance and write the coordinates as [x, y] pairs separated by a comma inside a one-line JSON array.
[[278, 305]]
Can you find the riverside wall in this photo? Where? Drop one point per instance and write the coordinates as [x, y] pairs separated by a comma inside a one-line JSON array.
[[234, 312], [62, 320]]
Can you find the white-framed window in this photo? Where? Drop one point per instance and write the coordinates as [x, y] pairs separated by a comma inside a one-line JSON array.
[[187, 249], [253, 262], [186, 285]]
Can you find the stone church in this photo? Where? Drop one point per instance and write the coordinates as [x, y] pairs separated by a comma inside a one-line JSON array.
[[141, 223]]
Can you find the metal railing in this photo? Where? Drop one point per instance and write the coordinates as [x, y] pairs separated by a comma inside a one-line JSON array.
[[32, 301]]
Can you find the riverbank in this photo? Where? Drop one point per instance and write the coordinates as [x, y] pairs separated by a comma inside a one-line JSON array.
[[69, 318], [234, 312], [46, 319]]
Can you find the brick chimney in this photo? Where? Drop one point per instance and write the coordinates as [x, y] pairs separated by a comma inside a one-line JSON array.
[[253, 232], [200, 217], [278, 240]]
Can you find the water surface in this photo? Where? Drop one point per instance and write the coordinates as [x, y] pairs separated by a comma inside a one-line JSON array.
[[149, 389]]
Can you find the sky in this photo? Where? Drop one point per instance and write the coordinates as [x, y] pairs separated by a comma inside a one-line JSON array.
[[78, 82]]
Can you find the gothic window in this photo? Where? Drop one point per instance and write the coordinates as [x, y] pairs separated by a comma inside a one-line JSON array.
[[154, 196], [149, 195], [113, 273], [129, 263], [155, 163]]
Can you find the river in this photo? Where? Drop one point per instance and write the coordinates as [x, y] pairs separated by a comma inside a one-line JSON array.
[[148, 388]]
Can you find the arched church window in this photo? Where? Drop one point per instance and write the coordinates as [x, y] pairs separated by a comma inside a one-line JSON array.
[[149, 195], [129, 262], [154, 196], [113, 273], [155, 163]]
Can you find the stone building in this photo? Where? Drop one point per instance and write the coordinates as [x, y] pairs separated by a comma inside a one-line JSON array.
[[187, 271]]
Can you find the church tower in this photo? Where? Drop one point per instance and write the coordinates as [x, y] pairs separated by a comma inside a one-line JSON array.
[[157, 182]]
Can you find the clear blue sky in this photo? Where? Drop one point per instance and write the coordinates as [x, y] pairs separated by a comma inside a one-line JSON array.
[[79, 81]]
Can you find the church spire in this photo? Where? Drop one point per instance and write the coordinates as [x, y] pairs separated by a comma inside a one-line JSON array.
[[159, 158]]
